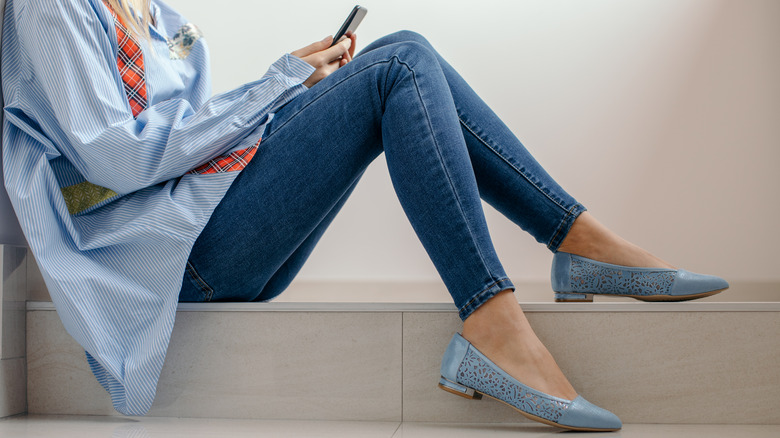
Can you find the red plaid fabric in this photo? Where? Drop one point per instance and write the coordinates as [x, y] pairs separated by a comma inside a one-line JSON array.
[[231, 162], [130, 60]]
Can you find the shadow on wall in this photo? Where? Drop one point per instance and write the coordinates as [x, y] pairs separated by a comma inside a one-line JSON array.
[[10, 233]]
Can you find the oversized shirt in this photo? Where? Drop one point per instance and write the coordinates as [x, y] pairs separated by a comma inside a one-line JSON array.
[[103, 188]]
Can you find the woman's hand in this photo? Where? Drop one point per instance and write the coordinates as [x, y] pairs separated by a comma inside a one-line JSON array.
[[326, 59]]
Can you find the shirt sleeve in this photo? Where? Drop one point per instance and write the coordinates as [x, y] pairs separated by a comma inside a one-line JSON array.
[[84, 111]]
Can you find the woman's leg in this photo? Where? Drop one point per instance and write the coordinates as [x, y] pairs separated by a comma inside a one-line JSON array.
[[512, 181]]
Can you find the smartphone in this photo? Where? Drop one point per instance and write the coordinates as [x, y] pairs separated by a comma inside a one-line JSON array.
[[351, 23]]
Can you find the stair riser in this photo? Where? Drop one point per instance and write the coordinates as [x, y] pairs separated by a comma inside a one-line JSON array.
[[658, 367]]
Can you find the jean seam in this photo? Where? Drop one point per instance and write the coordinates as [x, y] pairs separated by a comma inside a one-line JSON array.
[[207, 291], [562, 225], [444, 168], [569, 212], [481, 293], [520, 172]]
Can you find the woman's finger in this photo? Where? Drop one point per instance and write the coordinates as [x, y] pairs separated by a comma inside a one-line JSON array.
[[353, 37], [313, 47], [347, 57], [337, 51]]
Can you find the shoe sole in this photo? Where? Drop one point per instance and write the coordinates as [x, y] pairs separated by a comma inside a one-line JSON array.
[[650, 298], [478, 395]]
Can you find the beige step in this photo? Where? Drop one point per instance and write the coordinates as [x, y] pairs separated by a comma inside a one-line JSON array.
[[697, 362]]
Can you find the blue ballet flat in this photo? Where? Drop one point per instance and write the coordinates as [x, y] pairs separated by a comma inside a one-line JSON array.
[[468, 373], [576, 278]]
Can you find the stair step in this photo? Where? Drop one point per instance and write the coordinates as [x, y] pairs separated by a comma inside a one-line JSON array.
[[71, 426], [698, 362]]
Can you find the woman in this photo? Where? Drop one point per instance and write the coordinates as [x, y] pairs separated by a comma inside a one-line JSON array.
[[137, 189]]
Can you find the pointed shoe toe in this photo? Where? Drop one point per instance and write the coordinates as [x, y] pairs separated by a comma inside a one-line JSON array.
[[466, 372], [584, 415], [576, 278], [688, 283]]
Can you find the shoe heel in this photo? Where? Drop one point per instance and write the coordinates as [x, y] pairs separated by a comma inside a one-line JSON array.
[[563, 297], [457, 389]]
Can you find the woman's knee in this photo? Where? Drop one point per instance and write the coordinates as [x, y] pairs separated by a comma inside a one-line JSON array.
[[401, 36], [408, 35]]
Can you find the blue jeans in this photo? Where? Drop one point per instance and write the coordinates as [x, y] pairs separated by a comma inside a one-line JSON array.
[[444, 150]]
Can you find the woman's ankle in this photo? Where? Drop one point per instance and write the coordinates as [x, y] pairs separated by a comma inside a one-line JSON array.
[[499, 314], [500, 330], [589, 238], [586, 237]]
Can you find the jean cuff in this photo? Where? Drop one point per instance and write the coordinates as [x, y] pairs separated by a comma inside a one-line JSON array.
[[565, 226], [486, 294]]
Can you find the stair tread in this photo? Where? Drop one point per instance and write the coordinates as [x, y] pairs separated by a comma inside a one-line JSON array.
[[606, 306]]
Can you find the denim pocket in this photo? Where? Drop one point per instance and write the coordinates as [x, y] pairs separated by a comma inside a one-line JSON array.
[[204, 291]]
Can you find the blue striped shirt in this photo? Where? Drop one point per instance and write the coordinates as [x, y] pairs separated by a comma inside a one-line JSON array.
[[114, 264]]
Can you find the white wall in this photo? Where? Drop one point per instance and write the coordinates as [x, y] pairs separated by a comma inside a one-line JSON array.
[[660, 115]]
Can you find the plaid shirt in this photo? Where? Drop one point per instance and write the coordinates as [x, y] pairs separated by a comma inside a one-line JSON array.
[[99, 169]]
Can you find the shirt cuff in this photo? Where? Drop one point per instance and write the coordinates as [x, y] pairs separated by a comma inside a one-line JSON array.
[[290, 70]]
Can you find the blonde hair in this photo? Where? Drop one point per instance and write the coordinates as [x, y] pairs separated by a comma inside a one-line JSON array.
[[136, 13]]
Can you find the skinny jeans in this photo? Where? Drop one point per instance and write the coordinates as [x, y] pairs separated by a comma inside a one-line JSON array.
[[444, 147]]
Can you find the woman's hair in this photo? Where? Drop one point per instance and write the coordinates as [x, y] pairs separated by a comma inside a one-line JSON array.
[[135, 13]]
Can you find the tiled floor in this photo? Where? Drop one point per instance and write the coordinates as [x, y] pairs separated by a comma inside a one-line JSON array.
[[119, 427]]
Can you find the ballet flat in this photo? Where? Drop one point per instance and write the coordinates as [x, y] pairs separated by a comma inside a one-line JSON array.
[[466, 372], [576, 278]]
